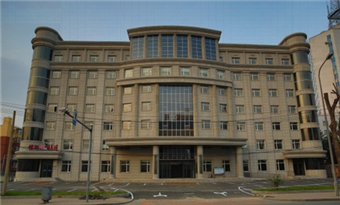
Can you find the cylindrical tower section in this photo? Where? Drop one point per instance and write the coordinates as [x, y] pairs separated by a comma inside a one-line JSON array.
[[43, 45]]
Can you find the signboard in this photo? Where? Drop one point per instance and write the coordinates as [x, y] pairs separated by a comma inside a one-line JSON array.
[[74, 121], [218, 170], [42, 146]]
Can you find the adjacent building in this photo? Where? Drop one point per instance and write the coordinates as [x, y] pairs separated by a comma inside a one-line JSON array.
[[172, 102]]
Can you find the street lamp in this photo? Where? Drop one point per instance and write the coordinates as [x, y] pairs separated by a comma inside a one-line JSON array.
[[336, 189]]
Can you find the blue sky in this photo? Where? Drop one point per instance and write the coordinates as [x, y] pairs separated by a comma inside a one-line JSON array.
[[246, 22]]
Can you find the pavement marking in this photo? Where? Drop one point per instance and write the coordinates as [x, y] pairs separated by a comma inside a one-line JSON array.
[[144, 184], [161, 183], [110, 184], [222, 193], [127, 184], [95, 184], [94, 190], [71, 190], [54, 189], [240, 188], [223, 201], [29, 189], [159, 195]]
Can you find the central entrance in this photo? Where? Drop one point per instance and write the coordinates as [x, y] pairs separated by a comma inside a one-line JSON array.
[[177, 169], [46, 168]]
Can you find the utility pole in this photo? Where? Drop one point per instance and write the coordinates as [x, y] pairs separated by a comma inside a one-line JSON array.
[[8, 162]]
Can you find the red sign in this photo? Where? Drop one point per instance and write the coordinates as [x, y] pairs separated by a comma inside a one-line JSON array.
[[43, 147]]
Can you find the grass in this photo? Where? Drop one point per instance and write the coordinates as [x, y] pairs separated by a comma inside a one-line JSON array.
[[61, 193], [297, 188]]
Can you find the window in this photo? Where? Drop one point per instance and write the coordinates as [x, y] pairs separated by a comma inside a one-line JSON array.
[[293, 126], [145, 166], [204, 106], [71, 107], [204, 89], [92, 74], [128, 73], [17, 139], [146, 71], [182, 46], [127, 107], [127, 90], [237, 76], [58, 58], [287, 76], [67, 145], [269, 61], [166, 71], [74, 74], [274, 109], [48, 142], [152, 46], [254, 76], [210, 49], [76, 58], [257, 109], [146, 88], [54, 91], [205, 124], [255, 92], [146, 124], [91, 90], [239, 108], [146, 106], [105, 166], [137, 47], [105, 146], [270, 77], [223, 125], [50, 125], [291, 109], [262, 165], [258, 126], [238, 92], [110, 91], [276, 126], [260, 144], [167, 46], [112, 58], [109, 108], [245, 166], [285, 61], [127, 57], [280, 165], [235, 60], [223, 107], [185, 71], [126, 125], [15, 163], [289, 93], [90, 107], [94, 58], [252, 60], [52, 107], [86, 144], [272, 93], [66, 166], [73, 90], [108, 125], [241, 126], [110, 74], [124, 166], [296, 144], [226, 165], [196, 47], [203, 72], [69, 126], [56, 74], [221, 91], [278, 144], [84, 166], [220, 74], [207, 166]]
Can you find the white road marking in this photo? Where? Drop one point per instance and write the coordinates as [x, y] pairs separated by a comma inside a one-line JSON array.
[[94, 190], [240, 188], [144, 184], [95, 184], [54, 189], [110, 184], [160, 195], [13, 189], [161, 183], [198, 183], [127, 184], [223, 193], [71, 190]]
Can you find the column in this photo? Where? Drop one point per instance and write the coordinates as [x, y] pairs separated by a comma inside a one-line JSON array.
[[159, 45], [155, 159], [119, 111], [231, 112], [239, 162], [136, 108], [113, 152], [203, 47], [175, 45], [156, 106], [194, 107], [200, 162], [189, 46], [215, 122]]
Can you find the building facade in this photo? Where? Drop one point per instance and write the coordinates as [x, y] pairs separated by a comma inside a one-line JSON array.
[[172, 102]]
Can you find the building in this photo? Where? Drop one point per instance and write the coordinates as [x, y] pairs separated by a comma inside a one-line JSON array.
[[172, 102], [5, 138]]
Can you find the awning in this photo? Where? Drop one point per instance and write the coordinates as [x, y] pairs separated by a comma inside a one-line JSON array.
[[39, 154], [293, 154]]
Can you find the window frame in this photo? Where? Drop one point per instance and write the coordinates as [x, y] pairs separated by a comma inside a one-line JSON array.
[[203, 72], [126, 125], [289, 93], [256, 109], [276, 126], [260, 145], [124, 166], [206, 124], [52, 125], [146, 164], [56, 74], [92, 91], [220, 74], [237, 76], [269, 61], [254, 76], [226, 165], [127, 107], [280, 165], [270, 76], [72, 90], [128, 73], [185, 71], [258, 126], [145, 124], [241, 126], [207, 165], [205, 106], [223, 108], [92, 74], [262, 165], [204, 89], [146, 71], [291, 108], [252, 61], [296, 144], [238, 92], [69, 144], [54, 90], [111, 108], [165, 71], [67, 164], [90, 108], [239, 109], [273, 93], [110, 74], [127, 90], [74, 74], [278, 144], [286, 78], [255, 92], [148, 90], [109, 91], [113, 57], [235, 60], [105, 166], [293, 126], [108, 126], [223, 125]]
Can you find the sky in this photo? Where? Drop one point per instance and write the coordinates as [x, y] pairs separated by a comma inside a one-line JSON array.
[[244, 22]]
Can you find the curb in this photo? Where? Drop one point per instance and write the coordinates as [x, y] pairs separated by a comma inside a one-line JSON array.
[[292, 192], [321, 199]]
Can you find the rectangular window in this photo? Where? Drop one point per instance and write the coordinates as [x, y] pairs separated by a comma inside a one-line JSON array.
[[127, 57], [238, 92], [138, 47], [203, 72], [223, 125], [56, 74], [146, 124], [167, 46], [274, 109], [185, 71], [71, 107], [152, 51], [54, 91], [69, 126], [110, 74], [94, 58], [86, 144], [220, 74], [289, 93], [146, 71], [293, 126], [207, 166], [285, 61], [74, 74], [239, 108], [105, 166], [235, 60], [58, 58], [182, 46], [258, 126], [165, 71], [270, 77], [204, 89], [255, 92], [262, 165], [76, 58], [112, 58], [126, 125], [109, 108], [260, 144], [241, 126], [66, 166], [146, 88], [272, 93], [110, 91], [257, 109], [269, 61], [280, 165], [252, 60], [124, 166], [92, 74], [237, 76], [108, 125], [221, 91], [276, 126], [73, 90], [223, 107], [91, 90], [245, 166], [127, 90], [52, 108], [146, 106], [278, 144], [196, 47], [48, 143], [226, 165], [50, 125], [254, 76], [210, 49], [90, 107], [84, 166], [145, 166], [287, 76], [67, 145], [127, 107], [205, 124], [105, 146], [128, 73], [296, 144], [204, 106], [291, 109]]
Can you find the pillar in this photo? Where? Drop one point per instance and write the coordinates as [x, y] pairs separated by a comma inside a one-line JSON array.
[[215, 122], [136, 109], [113, 152], [239, 162], [155, 159], [194, 107], [156, 106], [119, 111], [200, 174]]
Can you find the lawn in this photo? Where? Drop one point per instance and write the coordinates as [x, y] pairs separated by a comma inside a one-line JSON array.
[[297, 188], [61, 193]]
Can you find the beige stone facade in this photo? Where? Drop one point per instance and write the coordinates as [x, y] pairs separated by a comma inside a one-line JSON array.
[[233, 110]]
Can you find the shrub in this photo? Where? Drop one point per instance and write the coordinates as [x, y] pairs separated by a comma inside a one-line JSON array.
[[276, 181]]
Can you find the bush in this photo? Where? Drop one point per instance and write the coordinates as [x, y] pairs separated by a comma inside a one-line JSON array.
[[276, 181]]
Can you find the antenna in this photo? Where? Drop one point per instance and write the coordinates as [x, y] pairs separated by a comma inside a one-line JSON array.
[[333, 10]]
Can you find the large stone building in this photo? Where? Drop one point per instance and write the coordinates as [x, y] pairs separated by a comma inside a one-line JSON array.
[[172, 102]]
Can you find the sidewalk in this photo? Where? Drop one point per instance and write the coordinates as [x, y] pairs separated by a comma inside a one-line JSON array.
[[314, 196]]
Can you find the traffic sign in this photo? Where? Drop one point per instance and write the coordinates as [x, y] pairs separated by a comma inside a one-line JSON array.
[[74, 121]]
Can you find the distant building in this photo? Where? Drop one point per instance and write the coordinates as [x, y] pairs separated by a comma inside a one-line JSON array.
[[172, 102]]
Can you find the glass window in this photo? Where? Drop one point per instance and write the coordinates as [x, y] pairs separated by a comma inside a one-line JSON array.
[[276, 126], [252, 60], [124, 166], [241, 126], [52, 108], [146, 106], [66, 166], [127, 107], [74, 74], [210, 49], [285, 61], [274, 109], [128, 73], [272, 93], [145, 166], [48, 143], [152, 51], [73, 90], [105, 146], [262, 165], [305, 100], [203, 72], [185, 71], [54, 91], [146, 124], [280, 165], [237, 76], [310, 134], [111, 58], [235, 60], [221, 91], [287, 76], [278, 144], [109, 108], [289, 93], [110, 91], [165, 71], [238, 92], [205, 124], [293, 126], [92, 74], [239, 108], [226, 165], [76, 58], [204, 89], [108, 125], [90, 108], [146, 88], [260, 144], [245, 166], [94, 58], [146, 71], [223, 125], [182, 46], [127, 90], [269, 61], [67, 145], [105, 166], [255, 92], [196, 47], [296, 144], [58, 58], [220, 74], [126, 125], [84, 166], [50, 125], [69, 126], [138, 47], [270, 76], [71, 107], [204, 106], [254, 76], [127, 57], [110, 74], [207, 166], [257, 109], [56, 74], [167, 46], [258, 126], [291, 109], [223, 107], [86, 144]]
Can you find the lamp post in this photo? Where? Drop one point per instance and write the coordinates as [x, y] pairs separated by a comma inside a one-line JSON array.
[[336, 189]]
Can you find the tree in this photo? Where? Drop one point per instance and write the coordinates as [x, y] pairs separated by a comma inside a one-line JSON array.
[[325, 146]]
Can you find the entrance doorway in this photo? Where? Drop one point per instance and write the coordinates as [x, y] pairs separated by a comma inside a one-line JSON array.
[[176, 169], [46, 168], [299, 167]]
